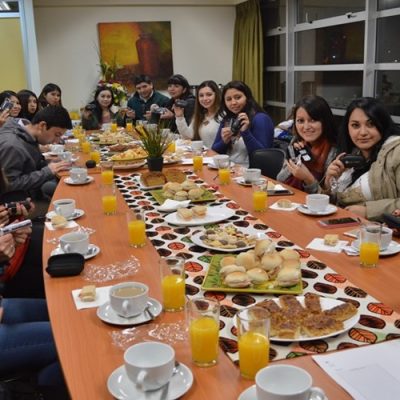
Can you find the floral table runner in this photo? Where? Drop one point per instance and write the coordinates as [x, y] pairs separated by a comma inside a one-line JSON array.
[[377, 322]]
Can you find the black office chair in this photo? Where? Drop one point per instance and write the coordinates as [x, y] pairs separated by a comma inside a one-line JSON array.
[[270, 161]]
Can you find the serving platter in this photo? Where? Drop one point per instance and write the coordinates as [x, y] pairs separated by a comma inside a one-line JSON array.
[[213, 281], [159, 196], [128, 165]]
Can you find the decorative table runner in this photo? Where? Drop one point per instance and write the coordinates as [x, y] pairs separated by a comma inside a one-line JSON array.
[[377, 322]]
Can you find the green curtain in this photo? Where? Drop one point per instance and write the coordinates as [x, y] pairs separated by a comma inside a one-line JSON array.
[[248, 47]]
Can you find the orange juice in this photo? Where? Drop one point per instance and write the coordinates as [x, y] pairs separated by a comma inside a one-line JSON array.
[[85, 146], [129, 127], [137, 233], [171, 147], [114, 127], [107, 177], [173, 292], [253, 353], [204, 341], [197, 163], [224, 175], [369, 254], [109, 204], [259, 200], [95, 156]]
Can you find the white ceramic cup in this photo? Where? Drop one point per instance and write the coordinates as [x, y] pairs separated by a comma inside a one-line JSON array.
[[128, 299], [78, 175], [286, 382], [64, 207], [386, 237], [65, 156], [75, 242], [57, 148], [149, 365], [197, 145], [221, 161], [251, 175], [317, 202]]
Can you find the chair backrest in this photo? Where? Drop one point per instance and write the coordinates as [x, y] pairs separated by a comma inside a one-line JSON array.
[[270, 161]]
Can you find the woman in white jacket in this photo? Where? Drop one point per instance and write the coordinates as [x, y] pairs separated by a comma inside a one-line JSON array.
[[204, 125]]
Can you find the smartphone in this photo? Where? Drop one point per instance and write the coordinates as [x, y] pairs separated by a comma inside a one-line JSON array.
[[14, 227], [338, 222], [7, 105]]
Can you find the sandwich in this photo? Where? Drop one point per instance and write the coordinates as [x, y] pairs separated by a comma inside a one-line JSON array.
[[247, 260], [228, 269], [185, 213], [263, 246], [284, 203], [288, 277], [271, 263], [199, 211], [181, 195], [228, 260], [257, 276], [289, 254], [237, 280], [88, 293]]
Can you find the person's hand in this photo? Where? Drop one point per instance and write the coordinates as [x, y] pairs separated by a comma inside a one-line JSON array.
[[167, 114], [7, 246], [21, 234], [298, 145], [4, 216], [245, 122], [359, 210], [86, 113], [300, 171], [3, 116], [179, 111], [56, 167], [226, 134], [334, 170], [130, 113]]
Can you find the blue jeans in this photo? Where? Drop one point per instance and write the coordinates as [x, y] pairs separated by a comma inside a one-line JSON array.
[[26, 341]]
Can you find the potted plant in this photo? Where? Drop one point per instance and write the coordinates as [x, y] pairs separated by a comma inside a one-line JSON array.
[[154, 141]]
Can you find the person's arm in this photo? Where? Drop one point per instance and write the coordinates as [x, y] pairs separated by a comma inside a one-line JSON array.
[[189, 109], [184, 130], [89, 120], [261, 133], [219, 145]]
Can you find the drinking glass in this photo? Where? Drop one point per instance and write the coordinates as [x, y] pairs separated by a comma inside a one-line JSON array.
[[222, 162], [107, 173], [198, 161], [109, 199], [129, 125], [172, 270], [85, 146], [370, 242], [137, 228], [95, 154], [253, 340], [203, 318], [114, 126], [260, 195]]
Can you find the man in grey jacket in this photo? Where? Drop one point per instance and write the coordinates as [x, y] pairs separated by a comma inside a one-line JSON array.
[[23, 163]]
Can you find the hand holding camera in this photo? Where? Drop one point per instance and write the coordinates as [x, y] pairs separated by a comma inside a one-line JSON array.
[[6, 105], [180, 103], [352, 161]]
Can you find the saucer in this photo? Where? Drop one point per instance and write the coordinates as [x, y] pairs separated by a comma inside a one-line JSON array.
[[107, 314], [392, 249], [305, 210], [69, 181], [92, 251], [251, 394], [240, 180], [122, 388], [77, 214]]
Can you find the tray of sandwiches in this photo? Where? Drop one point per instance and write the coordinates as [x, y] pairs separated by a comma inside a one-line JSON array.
[[310, 317], [258, 270]]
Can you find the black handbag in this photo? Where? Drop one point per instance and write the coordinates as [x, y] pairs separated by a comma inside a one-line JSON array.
[[70, 264]]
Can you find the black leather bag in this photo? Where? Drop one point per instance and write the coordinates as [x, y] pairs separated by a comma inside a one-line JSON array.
[[70, 264]]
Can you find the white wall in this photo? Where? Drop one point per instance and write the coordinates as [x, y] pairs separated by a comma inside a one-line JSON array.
[[202, 43]]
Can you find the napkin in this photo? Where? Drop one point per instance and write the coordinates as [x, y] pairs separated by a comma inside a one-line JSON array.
[[318, 244], [172, 205], [70, 224], [278, 187], [275, 206], [102, 296]]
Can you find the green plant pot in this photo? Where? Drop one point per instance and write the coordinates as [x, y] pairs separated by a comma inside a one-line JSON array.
[[155, 164]]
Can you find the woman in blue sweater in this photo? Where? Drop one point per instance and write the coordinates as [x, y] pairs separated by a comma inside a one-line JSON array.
[[255, 130]]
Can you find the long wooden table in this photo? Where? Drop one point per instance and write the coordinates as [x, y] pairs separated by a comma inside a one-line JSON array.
[[83, 341]]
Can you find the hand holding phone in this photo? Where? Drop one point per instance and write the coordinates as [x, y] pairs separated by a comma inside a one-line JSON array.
[[339, 222], [14, 227]]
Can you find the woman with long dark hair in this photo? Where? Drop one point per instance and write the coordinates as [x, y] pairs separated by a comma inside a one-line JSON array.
[[29, 104], [50, 95]]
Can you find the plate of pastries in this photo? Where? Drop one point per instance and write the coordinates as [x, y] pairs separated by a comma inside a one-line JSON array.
[[199, 215]]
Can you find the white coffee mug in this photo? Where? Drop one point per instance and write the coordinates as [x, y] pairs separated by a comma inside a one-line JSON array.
[[149, 365], [286, 382], [57, 148], [78, 175], [64, 207], [65, 156], [221, 160], [128, 299], [197, 145], [317, 202], [251, 175], [386, 237], [75, 242]]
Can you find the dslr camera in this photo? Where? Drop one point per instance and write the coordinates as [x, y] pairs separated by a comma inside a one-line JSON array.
[[7, 105], [352, 161], [90, 107], [181, 103], [236, 124], [12, 206]]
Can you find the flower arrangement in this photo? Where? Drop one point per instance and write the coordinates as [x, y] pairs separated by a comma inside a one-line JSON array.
[[153, 139], [119, 91]]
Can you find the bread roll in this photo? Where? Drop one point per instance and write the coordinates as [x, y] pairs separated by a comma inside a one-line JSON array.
[[200, 211], [185, 213], [257, 275], [295, 264], [188, 185], [262, 246], [224, 271], [271, 263], [237, 279], [246, 260], [58, 221], [228, 260], [195, 194], [288, 277], [289, 254], [175, 187], [181, 195]]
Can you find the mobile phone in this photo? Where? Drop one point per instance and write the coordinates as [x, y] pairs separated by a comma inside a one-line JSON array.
[[338, 222], [391, 221], [14, 227], [6, 105]]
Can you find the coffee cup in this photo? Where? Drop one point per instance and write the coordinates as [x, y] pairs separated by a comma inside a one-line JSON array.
[[221, 161], [57, 148], [128, 299], [386, 237], [78, 175], [149, 365], [64, 207], [65, 156], [286, 382], [197, 145], [251, 175], [317, 202], [75, 242]]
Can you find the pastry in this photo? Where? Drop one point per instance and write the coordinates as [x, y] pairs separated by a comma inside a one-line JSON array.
[[199, 211], [320, 325], [175, 175], [257, 275], [88, 293], [58, 221], [195, 194], [224, 271], [188, 185], [174, 187], [312, 303], [228, 260], [287, 277], [289, 254], [185, 213], [237, 279], [331, 239], [153, 178], [246, 259], [285, 203], [342, 312], [181, 195]]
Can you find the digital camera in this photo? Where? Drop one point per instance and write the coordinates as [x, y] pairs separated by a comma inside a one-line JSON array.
[[181, 103], [352, 161], [12, 207], [236, 124], [90, 107], [7, 105]]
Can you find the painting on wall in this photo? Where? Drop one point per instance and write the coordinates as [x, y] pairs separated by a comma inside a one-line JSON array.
[[134, 48]]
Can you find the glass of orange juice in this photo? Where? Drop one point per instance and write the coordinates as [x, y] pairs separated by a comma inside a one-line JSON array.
[[198, 161], [109, 199], [253, 340], [203, 318], [136, 228], [172, 272], [260, 195], [107, 173], [114, 126], [85, 146], [222, 162], [370, 242], [95, 154], [129, 125]]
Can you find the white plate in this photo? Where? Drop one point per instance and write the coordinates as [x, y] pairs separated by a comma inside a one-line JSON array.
[[107, 314], [69, 181], [122, 388], [129, 166], [143, 187], [211, 165], [326, 304], [195, 238], [77, 214], [393, 248], [92, 251], [329, 210], [240, 180], [214, 214], [251, 394]]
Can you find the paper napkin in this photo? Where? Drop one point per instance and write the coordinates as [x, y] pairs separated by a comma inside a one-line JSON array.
[[173, 205], [318, 244], [102, 296], [275, 206], [70, 224]]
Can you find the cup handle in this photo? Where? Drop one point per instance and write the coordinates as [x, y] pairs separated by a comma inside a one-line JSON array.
[[125, 307], [140, 379], [67, 248], [317, 393], [57, 210]]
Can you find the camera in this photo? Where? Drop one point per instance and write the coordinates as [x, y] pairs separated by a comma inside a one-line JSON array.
[[181, 103], [12, 206], [236, 124], [7, 105], [352, 161], [90, 107]]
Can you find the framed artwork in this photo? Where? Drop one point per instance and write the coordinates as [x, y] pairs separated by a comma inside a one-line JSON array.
[[134, 48]]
